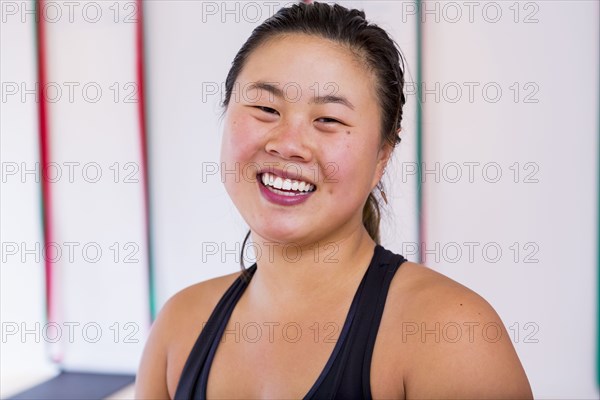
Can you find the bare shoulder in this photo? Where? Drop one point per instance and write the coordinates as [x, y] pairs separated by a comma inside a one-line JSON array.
[[426, 292], [196, 300], [449, 340], [173, 335]]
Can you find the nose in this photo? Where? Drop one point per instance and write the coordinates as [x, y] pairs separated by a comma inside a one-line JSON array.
[[290, 141]]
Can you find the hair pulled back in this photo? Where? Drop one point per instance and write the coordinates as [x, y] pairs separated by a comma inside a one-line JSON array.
[[370, 44]]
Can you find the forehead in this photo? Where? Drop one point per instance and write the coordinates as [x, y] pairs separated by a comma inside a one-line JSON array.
[[313, 63]]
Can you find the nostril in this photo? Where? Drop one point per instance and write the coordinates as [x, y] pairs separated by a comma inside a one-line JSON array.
[[288, 146]]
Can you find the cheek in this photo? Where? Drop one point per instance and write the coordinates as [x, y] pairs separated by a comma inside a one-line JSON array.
[[352, 161], [240, 140], [239, 146]]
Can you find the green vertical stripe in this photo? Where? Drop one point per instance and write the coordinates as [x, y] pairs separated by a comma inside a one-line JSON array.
[[420, 227]]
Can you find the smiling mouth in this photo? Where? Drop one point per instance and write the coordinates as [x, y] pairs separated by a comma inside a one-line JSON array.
[[285, 187]]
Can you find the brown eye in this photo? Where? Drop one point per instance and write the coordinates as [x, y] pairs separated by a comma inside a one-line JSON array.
[[328, 120], [268, 110]]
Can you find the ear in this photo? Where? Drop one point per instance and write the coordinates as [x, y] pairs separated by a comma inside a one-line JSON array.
[[383, 157]]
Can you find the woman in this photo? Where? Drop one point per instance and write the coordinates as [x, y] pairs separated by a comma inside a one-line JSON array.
[[313, 106]]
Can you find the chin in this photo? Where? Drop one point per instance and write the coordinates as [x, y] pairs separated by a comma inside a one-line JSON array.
[[294, 236], [282, 235]]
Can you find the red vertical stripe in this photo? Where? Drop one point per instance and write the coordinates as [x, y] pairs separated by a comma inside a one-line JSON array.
[[45, 158], [144, 146], [139, 42]]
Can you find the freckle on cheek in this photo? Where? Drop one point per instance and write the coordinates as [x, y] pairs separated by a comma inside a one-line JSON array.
[[347, 132]]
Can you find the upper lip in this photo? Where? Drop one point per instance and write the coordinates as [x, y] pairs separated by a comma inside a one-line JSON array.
[[288, 173]]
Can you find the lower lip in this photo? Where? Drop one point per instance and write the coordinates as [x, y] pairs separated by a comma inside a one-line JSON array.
[[280, 199]]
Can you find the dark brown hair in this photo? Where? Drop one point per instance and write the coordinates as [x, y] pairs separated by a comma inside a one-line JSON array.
[[371, 44]]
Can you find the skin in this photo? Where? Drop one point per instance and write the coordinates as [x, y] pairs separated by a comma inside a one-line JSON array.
[[313, 287]]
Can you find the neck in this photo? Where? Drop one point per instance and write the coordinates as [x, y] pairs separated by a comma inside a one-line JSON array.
[[290, 275]]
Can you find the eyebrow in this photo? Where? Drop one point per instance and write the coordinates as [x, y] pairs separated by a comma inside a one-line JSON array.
[[277, 92]]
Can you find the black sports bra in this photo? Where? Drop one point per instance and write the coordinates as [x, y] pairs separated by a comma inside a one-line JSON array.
[[347, 372]]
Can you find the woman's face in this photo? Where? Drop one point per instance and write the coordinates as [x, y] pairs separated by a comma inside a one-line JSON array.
[[301, 145]]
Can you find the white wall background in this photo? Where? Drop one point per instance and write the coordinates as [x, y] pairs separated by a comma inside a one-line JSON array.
[[190, 45], [543, 219], [100, 310], [21, 281], [105, 286]]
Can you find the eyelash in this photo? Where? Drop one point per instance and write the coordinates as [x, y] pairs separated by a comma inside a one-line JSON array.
[[265, 109], [331, 121], [269, 110]]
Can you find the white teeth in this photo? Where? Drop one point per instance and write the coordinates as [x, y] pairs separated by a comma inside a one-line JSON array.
[[277, 182]]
